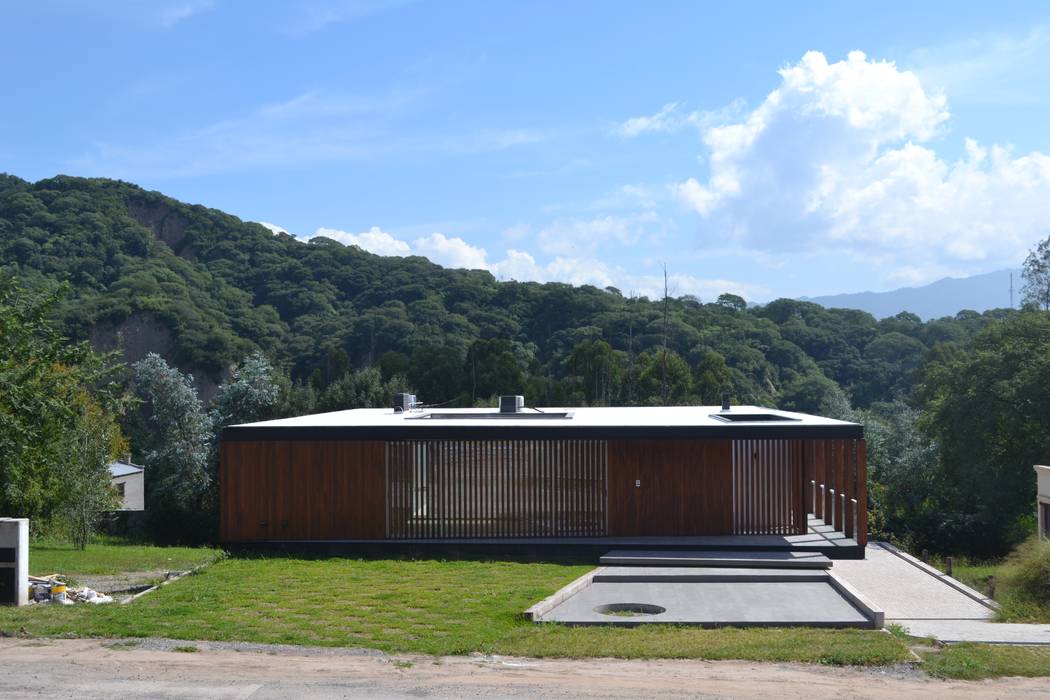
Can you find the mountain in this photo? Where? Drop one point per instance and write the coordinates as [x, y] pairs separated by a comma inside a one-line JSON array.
[[148, 273], [945, 297]]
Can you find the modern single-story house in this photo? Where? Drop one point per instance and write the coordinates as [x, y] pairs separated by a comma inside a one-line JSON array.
[[1042, 499], [546, 475], [130, 482]]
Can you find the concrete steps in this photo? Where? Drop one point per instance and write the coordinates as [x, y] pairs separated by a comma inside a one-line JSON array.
[[696, 574], [709, 559]]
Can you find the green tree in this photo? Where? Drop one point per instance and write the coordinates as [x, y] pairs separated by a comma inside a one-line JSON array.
[[712, 378], [664, 378], [989, 410], [53, 393], [599, 369], [1036, 275], [179, 495], [89, 445]]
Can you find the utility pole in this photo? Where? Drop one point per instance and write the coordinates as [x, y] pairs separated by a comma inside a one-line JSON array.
[[663, 356]]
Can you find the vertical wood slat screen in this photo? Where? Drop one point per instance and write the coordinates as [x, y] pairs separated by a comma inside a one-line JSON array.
[[767, 488], [440, 489], [840, 467]]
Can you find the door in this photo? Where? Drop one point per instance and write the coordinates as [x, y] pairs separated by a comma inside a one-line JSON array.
[[670, 487]]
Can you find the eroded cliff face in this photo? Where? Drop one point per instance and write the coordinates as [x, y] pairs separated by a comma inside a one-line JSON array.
[[140, 334], [167, 224]]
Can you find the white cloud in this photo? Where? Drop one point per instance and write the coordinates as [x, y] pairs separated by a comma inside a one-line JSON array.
[[837, 158], [374, 240], [670, 119], [451, 252], [171, 15], [993, 68], [274, 228], [312, 127], [588, 236]]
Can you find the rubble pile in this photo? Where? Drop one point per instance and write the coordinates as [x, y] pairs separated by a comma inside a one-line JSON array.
[[53, 589]]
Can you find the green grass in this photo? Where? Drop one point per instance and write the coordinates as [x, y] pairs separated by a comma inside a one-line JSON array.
[[993, 579], [432, 607], [977, 661], [108, 557]]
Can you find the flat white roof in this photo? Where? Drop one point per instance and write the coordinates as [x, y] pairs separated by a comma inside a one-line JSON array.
[[588, 417]]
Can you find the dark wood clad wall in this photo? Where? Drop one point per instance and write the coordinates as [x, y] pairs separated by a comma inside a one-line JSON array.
[[300, 490], [685, 487]]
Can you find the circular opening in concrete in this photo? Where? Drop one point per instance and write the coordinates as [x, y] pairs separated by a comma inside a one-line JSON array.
[[629, 609]]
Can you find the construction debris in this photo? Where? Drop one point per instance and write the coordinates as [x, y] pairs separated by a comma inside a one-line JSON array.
[[52, 589]]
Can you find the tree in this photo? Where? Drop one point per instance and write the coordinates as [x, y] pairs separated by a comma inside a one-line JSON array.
[[251, 394], [815, 393], [90, 444], [364, 388], [54, 395], [664, 378], [599, 369], [712, 378], [1036, 275], [179, 497], [989, 410]]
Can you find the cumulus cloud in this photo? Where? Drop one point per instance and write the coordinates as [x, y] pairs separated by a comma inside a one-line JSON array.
[[839, 157], [520, 265], [451, 252], [374, 240], [274, 228]]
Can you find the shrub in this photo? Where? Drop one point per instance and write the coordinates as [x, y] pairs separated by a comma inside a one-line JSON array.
[[1024, 582]]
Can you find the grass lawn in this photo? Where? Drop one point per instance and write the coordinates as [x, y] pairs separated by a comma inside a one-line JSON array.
[[433, 607], [984, 577], [109, 556], [976, 661]]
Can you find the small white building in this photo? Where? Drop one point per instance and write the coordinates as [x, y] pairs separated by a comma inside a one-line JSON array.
[[130, 482], [1042, 499]]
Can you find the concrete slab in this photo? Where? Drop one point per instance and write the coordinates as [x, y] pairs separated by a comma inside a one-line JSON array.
[[904, 591], [767, 603], [686, 574], [977, 631], [739, 559]]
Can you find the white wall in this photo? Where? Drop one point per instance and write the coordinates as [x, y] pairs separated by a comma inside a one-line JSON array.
[[134, 491], [1042, 495]]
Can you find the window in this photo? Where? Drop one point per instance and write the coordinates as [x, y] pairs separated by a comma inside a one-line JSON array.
[[1045, 507], [120, 489]]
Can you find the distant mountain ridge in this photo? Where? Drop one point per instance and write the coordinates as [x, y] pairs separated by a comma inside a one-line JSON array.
[[945, 297]]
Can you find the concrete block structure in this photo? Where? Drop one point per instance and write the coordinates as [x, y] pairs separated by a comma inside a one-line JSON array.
[[14, 561]]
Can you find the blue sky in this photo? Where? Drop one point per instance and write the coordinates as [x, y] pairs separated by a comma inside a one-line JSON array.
[[770, 149]]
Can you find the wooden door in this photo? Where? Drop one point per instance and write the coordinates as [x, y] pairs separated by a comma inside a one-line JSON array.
[[670, 487]]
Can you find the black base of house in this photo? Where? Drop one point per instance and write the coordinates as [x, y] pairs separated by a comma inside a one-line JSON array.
[[546, 549]]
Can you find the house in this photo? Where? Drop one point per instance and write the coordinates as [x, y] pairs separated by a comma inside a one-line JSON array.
[[556, 476], [129, 481], [1042, 500]]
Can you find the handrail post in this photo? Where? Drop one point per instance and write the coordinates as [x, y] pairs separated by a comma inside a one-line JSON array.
[[832, 523], [842, 523], [854, 502], [823, 502], [813, 501]]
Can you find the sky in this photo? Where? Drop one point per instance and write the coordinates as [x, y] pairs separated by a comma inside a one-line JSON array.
[[765, 149]]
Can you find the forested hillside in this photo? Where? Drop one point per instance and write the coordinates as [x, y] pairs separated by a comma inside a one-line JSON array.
[[955, 409], [203, 288]]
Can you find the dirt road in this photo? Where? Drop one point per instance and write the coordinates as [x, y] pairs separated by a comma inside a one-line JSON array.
[[157, 669]]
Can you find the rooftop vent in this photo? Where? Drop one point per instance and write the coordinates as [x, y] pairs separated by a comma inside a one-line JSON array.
[[404, 402], [511, 404]]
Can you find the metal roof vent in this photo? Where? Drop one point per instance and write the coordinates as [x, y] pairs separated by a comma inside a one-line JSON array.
[[511, 404], [404, 403]]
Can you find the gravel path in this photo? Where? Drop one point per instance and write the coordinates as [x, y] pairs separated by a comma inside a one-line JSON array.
[[89, 669]]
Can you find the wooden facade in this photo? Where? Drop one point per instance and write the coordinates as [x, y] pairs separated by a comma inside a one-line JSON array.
[[276, 490]]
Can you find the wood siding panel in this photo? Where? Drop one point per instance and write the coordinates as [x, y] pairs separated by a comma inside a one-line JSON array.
[[686, 487], [281, 490]]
